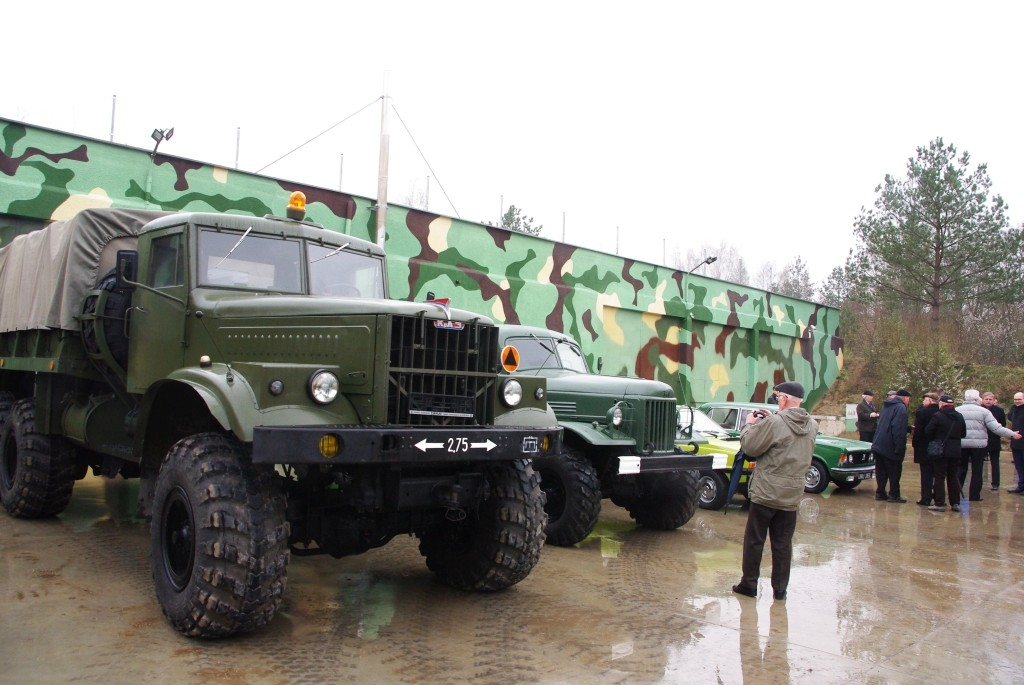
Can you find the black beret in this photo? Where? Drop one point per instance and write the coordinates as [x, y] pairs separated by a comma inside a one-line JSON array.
[[791, 388], [946, 399], [868, 392], [903, 392]]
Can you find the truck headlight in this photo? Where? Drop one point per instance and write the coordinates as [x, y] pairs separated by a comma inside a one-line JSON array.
[[512, 392], [323, 387], [615, 416]]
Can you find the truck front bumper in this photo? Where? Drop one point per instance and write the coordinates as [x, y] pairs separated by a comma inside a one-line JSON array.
[[662, 463], [380, 445]]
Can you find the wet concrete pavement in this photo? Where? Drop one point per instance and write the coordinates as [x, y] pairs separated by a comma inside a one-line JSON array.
[[880, 593]]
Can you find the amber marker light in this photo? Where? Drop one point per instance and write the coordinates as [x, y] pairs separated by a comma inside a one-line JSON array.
[[330, 445], [296, 206]]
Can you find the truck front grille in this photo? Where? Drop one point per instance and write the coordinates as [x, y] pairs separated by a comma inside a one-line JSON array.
[[659, 424], [441, 374]]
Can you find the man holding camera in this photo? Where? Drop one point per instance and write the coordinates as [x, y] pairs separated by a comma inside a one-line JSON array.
[[782, 444]]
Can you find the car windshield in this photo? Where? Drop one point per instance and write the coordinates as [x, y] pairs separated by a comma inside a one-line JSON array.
[[702, 423], [548, 353]]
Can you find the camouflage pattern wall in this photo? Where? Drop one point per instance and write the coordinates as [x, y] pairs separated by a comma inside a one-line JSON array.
[[709, 339]]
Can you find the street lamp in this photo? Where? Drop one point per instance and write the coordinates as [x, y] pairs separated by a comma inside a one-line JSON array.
[[707, 260]]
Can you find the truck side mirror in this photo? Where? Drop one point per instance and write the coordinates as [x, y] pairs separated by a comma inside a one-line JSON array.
[[127, 269]]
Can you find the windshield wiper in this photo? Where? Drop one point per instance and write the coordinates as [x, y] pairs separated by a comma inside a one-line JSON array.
[[233, 248], [339, 249]]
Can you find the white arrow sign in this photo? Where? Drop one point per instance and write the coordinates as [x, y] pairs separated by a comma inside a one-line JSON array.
[[424, 445], [486, 445]]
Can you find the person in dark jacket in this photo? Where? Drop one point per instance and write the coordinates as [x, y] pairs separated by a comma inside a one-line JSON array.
[[948, 425], [890, 446], [924, 413], [1016, 419], [995, 443], [867, 416]]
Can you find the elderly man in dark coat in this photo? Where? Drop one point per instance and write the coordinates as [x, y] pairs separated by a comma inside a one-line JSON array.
[[890, 446], [924, 413], [867, 416]]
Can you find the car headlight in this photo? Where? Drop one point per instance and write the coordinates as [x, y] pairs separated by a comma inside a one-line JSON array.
[[615, 416], [323, 387], [512, 392]]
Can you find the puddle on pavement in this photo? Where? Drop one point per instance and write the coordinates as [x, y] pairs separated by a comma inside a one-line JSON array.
[[879, 593]]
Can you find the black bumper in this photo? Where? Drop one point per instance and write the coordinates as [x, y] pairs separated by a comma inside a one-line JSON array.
[[393, 445], [664, 463]]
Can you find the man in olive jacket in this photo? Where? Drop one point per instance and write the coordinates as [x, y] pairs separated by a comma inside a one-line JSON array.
[[782, 444]]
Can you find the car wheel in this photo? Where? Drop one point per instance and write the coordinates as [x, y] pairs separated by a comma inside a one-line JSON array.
[[816, 479], [847, 484], [712, 489]]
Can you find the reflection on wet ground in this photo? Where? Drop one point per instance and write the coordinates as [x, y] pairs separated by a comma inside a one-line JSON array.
[[881, 593]]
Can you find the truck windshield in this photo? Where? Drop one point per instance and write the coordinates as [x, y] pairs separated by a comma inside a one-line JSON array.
[[337, 272], [250, 261], [547, 353]]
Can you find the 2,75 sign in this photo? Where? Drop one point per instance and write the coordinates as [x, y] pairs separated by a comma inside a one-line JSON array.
[[455, 445]]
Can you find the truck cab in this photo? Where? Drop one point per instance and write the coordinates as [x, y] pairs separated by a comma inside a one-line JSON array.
[[619, 439]]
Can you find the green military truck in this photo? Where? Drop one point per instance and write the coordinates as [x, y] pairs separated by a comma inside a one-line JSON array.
[[618, 440], [253, 373]]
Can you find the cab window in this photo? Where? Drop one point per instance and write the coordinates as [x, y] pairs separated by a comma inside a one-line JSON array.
[[167, 262]]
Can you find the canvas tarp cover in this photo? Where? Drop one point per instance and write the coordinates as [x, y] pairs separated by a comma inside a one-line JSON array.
[[45, 275]]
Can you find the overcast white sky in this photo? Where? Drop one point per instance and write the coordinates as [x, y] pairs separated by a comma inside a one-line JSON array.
[[650, 126]]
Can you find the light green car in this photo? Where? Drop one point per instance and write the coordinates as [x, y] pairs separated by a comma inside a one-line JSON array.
[[718, 442]]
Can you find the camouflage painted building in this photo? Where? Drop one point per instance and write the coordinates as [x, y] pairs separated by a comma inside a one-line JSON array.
[[709, 339]]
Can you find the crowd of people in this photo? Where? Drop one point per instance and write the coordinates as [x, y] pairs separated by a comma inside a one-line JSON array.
[[948, 442]]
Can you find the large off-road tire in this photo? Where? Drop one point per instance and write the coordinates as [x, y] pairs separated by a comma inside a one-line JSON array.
[[573, 493], [667, 500], [219, 538], [37, 472], [816, 479], [713, 489], [6, 402], [497, 544]]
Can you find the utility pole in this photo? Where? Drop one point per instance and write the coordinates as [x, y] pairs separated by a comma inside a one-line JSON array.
[[382, 167]]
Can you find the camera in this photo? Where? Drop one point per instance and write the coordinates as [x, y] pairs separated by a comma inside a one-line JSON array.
[[759, 414]]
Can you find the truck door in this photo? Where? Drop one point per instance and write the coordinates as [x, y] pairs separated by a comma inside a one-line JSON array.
[[158, 324]]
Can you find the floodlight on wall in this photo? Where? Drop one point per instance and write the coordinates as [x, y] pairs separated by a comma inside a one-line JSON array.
[[707, 260], [160, 135]]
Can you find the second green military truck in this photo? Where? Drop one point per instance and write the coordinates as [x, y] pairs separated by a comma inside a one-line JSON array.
[[254, 374], [618, 441]]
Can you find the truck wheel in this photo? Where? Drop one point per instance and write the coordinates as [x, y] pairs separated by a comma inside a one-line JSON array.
[[816, 479], [219, 538], [496, 544], [573, 493], [667, 500], [6, 402], [37, 472], [713, 490]]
